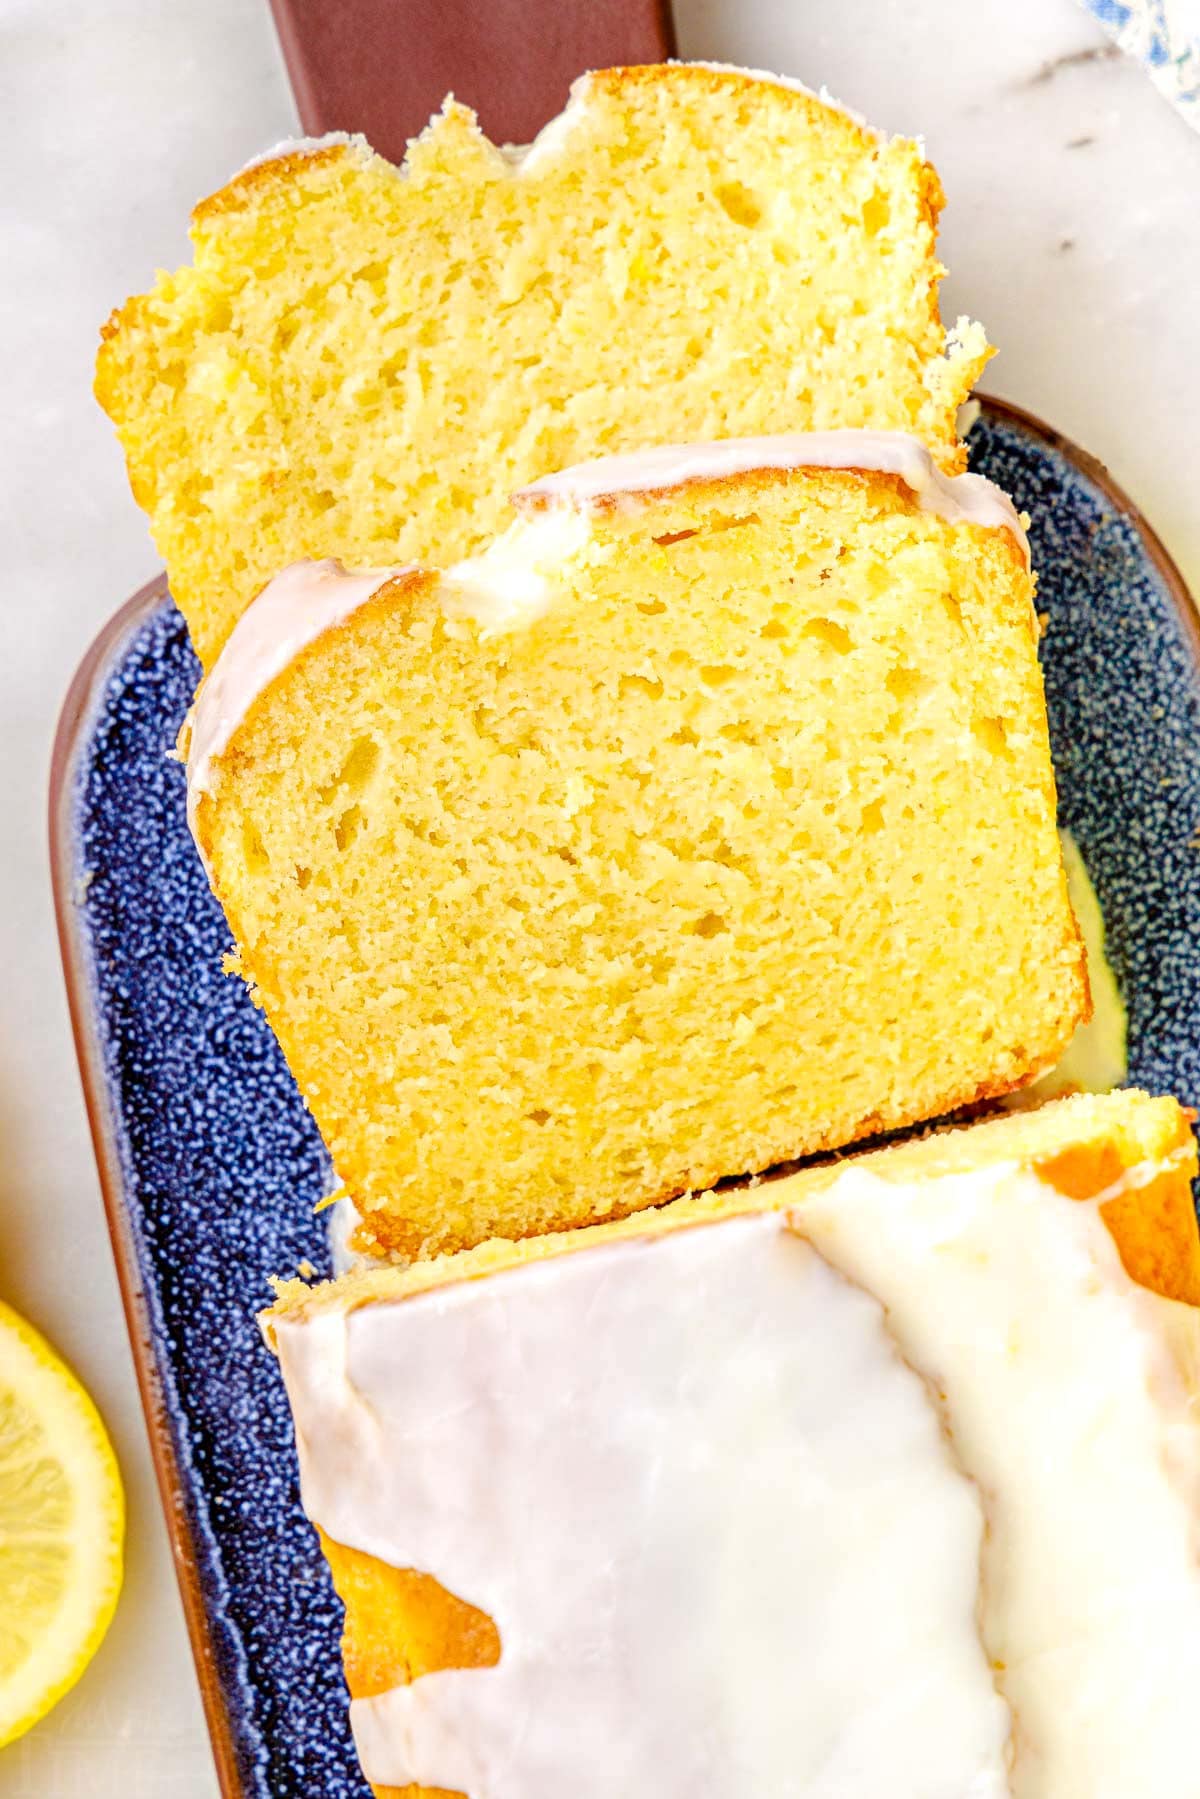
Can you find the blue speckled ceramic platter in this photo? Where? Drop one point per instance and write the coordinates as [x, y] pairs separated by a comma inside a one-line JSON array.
[[211, 1166]]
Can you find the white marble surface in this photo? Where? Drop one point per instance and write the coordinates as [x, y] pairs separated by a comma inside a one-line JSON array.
[[1073, 231]]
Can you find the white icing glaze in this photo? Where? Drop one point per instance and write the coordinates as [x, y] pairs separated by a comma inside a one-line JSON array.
[[724, 1546], [960, 499], [552, 139], [1071, 1396], [709, 1508], [292, 611], [513, 581], [342, 1219]]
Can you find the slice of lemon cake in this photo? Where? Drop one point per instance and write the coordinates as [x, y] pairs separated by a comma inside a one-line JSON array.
[[705, 820], [877, 1478], [363, 362]]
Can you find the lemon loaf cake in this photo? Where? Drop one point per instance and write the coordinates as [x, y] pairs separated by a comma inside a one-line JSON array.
[[705, 820], [363, 362], [877, 1478]]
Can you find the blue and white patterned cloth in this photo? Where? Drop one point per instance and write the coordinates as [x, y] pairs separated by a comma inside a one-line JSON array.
[[1164, 35]]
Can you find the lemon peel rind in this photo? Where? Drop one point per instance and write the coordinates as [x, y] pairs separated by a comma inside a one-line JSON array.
[[76, 1434]]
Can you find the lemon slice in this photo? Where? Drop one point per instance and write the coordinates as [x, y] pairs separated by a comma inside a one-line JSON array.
[[62, 1523]]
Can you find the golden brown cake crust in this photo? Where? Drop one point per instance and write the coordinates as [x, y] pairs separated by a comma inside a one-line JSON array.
[[399, 1625], [261, 177], [1153, 1225]]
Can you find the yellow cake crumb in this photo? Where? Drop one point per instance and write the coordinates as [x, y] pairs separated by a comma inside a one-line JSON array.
[[740, 849], [365, 363]]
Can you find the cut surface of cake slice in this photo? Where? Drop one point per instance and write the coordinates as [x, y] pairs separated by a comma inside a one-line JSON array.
[[364, 362], [879, 1477], [705, 821]]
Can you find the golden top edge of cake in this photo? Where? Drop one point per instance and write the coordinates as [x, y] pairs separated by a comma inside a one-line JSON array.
[[364, 362], [825, 112], [910, 1408]]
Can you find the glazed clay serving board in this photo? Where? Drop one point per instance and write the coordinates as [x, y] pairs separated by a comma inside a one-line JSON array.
[[211, 1166]]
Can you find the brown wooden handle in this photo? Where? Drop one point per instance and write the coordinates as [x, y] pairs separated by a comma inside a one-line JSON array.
[[383, 67]]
